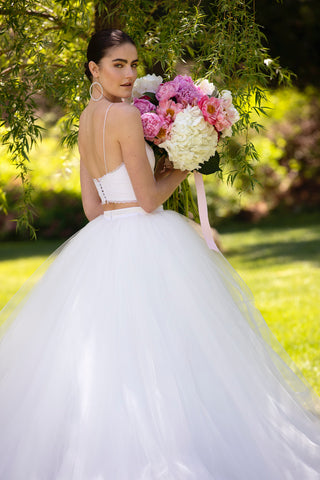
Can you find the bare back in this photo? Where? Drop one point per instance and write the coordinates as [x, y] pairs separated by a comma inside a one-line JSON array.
[[90, 139]]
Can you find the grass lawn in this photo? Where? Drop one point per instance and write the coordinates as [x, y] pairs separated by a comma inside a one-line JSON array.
[[281, 267], [279, 263]]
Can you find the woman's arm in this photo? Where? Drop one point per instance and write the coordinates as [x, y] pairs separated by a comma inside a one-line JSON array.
[[149, 192], [90, 198]]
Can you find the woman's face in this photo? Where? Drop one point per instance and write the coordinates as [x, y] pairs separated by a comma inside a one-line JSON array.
[[116, 72]]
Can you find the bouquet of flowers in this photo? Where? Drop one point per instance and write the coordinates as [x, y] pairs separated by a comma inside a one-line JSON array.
[[187, 119]]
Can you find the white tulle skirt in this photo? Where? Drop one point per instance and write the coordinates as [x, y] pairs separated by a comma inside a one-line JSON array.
[[138, 355]]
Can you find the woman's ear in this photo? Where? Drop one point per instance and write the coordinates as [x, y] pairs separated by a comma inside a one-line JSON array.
[[94, 69]]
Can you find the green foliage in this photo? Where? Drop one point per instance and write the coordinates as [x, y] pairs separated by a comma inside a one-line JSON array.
[[56, 190], [38, 57], [43, 47], [288, 172]]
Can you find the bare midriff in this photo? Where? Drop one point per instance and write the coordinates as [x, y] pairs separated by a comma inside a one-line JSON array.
[[117, 206]]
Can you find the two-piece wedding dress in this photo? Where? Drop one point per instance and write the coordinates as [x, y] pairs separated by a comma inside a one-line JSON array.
[[138, 354]]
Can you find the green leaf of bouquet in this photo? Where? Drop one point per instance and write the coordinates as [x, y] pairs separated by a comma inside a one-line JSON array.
[[211, 165], [152, 97]]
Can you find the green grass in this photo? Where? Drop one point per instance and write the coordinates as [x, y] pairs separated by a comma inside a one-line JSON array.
[[281, 267], [279, 263], [18, 260]]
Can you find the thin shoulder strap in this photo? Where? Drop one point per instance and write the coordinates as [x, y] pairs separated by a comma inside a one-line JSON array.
[[103, 136]]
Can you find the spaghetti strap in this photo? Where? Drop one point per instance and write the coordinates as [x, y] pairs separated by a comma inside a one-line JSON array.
[[103, 136]]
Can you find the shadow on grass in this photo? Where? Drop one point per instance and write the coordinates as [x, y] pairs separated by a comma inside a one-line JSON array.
[[279, 252], [27, 249], [273, 220]]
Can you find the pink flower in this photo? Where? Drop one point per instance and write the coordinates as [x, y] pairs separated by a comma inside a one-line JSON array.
[[164, 132], [165, 91], [144, 106], [187, 92], [231, 114], [151, 123], [169, 108], [211, 109], [222, 122]]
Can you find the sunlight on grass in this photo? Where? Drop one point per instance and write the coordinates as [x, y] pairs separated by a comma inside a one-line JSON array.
[[281, 267], [18, 260]]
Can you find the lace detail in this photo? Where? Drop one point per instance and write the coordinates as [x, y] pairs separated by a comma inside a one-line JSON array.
[[121, 201]]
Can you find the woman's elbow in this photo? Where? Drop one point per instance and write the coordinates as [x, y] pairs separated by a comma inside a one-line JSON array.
[[149, 205], [92, 211]]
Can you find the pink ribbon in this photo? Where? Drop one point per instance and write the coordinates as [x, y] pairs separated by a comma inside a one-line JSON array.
[[203, 211]]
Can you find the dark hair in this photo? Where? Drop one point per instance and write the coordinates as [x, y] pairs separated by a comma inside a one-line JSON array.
[[100, 42]]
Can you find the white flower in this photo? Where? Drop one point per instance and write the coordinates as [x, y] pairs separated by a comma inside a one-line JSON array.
[[267, 61], [193, 140], [226, 95], [205, 86], [148, 83]]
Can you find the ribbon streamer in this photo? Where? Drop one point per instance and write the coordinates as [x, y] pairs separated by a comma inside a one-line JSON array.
[[203, 212]]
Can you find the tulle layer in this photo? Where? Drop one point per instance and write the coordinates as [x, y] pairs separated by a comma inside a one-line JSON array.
[[139, 355]]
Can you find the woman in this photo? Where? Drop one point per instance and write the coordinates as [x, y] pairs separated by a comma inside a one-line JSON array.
[[139, 354]]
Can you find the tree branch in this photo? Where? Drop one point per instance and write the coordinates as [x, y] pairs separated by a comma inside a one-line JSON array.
[[32, 13]]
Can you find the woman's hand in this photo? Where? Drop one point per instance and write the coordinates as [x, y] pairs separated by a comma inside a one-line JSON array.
[[163, 167]]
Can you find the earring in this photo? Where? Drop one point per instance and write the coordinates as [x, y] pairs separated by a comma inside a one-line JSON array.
[[90, 91]]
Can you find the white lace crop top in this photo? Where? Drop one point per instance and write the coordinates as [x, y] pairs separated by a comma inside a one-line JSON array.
[[115, 186]]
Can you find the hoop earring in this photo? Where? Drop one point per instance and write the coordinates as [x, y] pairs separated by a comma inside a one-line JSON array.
[[90, 91]]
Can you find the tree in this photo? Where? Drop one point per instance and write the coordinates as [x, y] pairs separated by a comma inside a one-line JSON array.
[[43, 45]]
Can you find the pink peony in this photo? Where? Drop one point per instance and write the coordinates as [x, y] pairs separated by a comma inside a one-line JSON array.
[[144, 106], [231, 113], [186, 91], [222, 122], [164, 132], [169, 108], [165, 91], [211, 109], [151, 123]]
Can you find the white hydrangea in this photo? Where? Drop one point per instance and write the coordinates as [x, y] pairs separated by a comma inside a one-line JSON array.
[[206, 87], [193, 140], [148, 83]]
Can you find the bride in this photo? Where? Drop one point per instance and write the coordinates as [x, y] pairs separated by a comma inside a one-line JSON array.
[[138, 353]]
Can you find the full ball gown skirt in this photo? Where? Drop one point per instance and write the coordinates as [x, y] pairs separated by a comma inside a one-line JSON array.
[[139, 355]]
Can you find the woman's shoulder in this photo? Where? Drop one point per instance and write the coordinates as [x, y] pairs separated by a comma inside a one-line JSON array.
[[123, 119], [125, 111]]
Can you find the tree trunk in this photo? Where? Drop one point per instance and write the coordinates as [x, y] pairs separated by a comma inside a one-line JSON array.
[[107, 15]]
